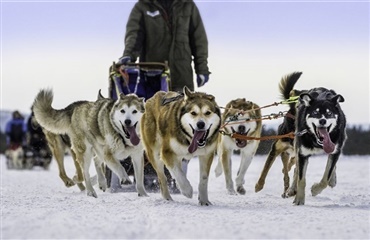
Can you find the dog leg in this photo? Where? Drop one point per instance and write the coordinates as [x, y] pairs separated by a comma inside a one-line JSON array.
[[285, 157], [227, 166], [246, 160], [84, 158], [176, 171], [218, 169], [138, 163], [274, 152], [329, 174], [78, 178], [99, 170], [205, 163], [301, 180], [158, 166]]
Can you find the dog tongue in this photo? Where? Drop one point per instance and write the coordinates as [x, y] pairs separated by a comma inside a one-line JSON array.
[[133, 136], [194, 142], [328, 145]]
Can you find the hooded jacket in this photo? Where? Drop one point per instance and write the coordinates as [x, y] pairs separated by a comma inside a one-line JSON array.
[[154, 36]]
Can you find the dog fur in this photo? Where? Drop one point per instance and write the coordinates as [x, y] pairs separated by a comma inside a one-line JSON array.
[[249, 125], [107, 128], [176, 127], [321, 129], [283, 147]]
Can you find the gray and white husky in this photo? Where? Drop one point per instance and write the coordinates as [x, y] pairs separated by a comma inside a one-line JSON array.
[[106, 128]]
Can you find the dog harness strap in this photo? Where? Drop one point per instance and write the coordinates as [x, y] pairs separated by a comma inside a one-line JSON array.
[[172, 99]]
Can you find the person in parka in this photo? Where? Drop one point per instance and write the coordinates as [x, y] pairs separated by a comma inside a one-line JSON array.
[[169, 30]]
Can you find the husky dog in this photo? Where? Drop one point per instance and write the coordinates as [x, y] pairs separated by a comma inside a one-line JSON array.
[[321, 128], [107, 128], [283, 146], [176, 127], [248, 123]]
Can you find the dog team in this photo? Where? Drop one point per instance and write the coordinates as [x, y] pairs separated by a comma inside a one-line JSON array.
[[172, 126]]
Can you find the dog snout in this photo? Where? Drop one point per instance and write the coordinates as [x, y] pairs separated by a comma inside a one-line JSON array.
[[201, 125], [128, 122], [241, 128], [322, 121]]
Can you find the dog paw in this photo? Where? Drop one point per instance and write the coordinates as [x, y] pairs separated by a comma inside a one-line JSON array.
[[333, 181], [126, 181], [69, 182], [298, 201], [205, 203], [187, 191], [231, 192], [316, 189], [240, 190], [142, 194], [290, 192], [92, 194], [259, 186]]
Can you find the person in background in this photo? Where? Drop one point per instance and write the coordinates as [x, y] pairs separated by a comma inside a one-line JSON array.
[[16, 130], [168, 31]]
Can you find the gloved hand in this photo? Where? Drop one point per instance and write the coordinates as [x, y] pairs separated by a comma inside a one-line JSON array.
[[202, 79], [124, 60]]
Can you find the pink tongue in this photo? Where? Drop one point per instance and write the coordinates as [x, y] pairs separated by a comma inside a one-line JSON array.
[[329, 146], [194, 142], [133, 136]]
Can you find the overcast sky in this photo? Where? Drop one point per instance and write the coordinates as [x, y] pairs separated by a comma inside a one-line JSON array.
[[69, 46]]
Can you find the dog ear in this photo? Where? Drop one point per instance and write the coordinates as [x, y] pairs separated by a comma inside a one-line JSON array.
[[100, 96], [187, 93], [305, 99], [121, 96], [338, 98]]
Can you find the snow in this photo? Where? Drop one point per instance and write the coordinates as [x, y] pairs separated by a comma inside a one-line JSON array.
[[35, 204]]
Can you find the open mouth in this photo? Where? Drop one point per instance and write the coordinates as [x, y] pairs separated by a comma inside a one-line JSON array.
[[323, 139], [130, 133], [199, 139], [241, 143]]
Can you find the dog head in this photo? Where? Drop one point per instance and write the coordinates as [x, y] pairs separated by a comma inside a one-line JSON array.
[[322, 113], [126, 115], [241, 115], [200, 118]]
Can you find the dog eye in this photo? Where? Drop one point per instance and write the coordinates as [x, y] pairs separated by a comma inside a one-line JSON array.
[[208, 113], [135, 111], [122, 111], [193, 113]]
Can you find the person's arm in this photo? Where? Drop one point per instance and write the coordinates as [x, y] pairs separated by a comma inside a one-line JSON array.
[[135, 33], [198, 42]]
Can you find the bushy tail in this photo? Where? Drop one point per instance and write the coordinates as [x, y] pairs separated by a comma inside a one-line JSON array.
[[55, 121], [287, 83]]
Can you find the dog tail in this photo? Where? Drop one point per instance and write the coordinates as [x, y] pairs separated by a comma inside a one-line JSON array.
[[55, 121], [287, 83]]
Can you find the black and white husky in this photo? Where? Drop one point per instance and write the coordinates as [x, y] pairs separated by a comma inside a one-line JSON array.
[[320, 128]]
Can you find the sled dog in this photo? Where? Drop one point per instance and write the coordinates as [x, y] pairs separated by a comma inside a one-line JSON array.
[[320, 129], [283, 147], [181, 126], [106, 127], [244, 118]]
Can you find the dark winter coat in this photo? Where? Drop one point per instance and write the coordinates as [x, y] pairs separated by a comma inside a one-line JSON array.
[[155, 36]]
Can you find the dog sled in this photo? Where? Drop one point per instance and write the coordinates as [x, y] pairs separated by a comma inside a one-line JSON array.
[[143, 79]]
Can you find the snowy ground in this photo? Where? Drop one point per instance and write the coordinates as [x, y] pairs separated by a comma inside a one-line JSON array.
[[36, 205]]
